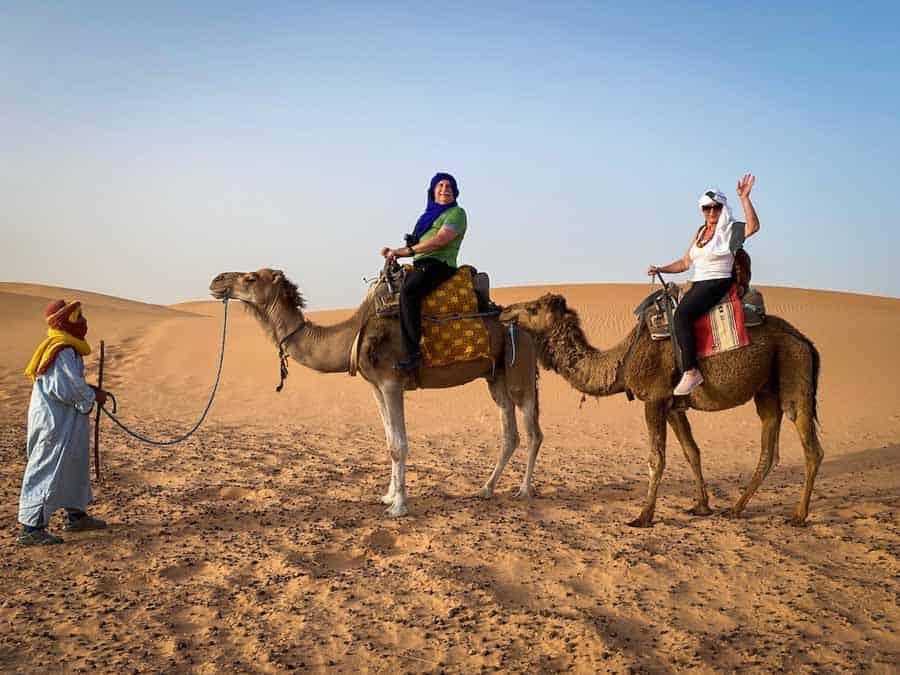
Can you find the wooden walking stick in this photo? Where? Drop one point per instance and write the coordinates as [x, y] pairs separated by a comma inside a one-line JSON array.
[[97, 418]]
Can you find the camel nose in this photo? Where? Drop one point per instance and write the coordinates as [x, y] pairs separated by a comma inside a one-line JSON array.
[[219, 277]]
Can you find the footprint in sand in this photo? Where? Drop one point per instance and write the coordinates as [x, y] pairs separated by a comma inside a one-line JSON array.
[[382, 541]]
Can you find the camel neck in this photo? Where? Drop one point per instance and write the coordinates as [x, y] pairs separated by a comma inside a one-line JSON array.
[[585, 367], [325, 349]]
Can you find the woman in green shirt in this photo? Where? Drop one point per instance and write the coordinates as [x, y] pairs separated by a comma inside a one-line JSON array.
[[434, 245]]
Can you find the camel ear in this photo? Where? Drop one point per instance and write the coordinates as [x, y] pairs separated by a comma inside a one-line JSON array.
[[277, 277]]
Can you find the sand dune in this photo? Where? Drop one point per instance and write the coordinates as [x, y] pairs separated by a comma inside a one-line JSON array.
[[259, 546]]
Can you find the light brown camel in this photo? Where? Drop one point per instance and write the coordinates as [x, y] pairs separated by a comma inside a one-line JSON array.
[[276, 303], [779, 370]]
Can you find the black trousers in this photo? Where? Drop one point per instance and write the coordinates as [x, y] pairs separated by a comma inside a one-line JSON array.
[[428, 274], [703, 296]]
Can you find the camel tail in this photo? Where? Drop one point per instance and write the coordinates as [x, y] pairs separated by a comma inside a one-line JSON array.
[[815, 381]]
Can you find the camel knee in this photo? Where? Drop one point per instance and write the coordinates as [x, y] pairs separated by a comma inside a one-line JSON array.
[[397, 450]]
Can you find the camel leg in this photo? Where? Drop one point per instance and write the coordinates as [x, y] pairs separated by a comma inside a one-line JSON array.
[[679, 422], [769, 410], [388, 436], [510, 440], [392, 392], [655, 414], [813, 452], [530, 413], [770, 413]]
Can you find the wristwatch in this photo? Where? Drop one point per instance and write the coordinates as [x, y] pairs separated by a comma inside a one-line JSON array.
[[411, 251]]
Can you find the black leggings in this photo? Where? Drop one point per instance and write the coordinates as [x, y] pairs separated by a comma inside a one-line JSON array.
[[428, 274], [703, 296]]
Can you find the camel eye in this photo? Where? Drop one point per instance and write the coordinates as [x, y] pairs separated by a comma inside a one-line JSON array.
[[250, 280]]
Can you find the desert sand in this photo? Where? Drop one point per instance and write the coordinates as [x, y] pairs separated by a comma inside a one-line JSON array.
[[259, 545]]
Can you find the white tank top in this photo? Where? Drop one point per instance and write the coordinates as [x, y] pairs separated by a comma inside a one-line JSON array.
[[715, 259]]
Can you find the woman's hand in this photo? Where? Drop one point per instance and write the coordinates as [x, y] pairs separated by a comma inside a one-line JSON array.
[[388, 252], [653, 269], [745, 184]]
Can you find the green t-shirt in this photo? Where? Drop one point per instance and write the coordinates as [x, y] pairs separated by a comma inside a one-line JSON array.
[[455, 219]]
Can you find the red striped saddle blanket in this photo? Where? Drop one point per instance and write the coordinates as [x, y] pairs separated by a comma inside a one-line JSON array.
[[721, 329]]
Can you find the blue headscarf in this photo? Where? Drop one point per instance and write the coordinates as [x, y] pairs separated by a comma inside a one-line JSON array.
[[433, 210]]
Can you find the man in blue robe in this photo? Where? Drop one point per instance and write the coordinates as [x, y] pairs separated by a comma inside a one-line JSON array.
[[58, 471]]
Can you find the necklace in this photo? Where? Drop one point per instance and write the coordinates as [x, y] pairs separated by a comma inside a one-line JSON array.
[[701, 242]]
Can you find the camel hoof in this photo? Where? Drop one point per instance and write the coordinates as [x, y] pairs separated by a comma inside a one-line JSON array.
[[523, 494], [641, 522], [796, 521], [396, 511], [700, 510], [485, 493], [386, 499], [733, 513]]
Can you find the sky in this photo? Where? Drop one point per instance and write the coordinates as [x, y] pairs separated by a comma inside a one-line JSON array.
[[146, 147]]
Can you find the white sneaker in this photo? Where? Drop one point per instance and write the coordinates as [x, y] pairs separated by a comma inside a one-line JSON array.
[[689, 381]]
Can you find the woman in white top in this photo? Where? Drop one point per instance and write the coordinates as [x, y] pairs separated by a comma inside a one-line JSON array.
[[712, 255]]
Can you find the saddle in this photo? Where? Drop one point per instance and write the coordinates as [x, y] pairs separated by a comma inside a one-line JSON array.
[[453, 328], [724, 322], [387, 291]]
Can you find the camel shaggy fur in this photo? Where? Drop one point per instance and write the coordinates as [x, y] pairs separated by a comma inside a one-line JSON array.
[[779, 370], [278, 306]]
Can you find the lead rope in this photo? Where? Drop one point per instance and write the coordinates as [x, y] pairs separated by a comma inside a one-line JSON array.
[[212, 396]]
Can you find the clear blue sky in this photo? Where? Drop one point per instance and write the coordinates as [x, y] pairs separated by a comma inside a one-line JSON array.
[[145, 149]]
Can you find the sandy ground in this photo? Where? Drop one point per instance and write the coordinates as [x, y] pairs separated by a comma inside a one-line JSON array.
[[259, 544]]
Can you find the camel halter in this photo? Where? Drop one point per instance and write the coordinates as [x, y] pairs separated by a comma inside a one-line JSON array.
[[283, 356], [112, 416]]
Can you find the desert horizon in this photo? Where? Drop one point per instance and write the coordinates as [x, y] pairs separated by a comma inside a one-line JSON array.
[[260, 544]]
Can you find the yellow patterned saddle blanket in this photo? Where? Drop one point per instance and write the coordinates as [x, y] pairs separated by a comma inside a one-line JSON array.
[[447, 340]]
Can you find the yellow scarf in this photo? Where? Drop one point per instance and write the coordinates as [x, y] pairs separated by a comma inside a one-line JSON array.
[[46, 352]]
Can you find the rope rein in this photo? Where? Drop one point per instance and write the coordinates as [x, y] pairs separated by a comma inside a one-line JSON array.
[[112, 416]]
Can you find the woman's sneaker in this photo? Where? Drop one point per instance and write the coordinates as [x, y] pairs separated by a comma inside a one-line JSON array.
[[689, 381], [38, 538]]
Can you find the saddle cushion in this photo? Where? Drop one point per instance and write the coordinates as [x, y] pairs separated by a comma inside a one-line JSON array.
[[446, 340], [722, 328]]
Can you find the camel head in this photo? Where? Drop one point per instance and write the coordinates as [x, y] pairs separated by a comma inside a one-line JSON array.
[[262, 290], [538, 316]]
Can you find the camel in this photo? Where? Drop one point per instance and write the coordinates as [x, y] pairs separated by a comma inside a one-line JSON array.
[[779, 370], [278, 306]]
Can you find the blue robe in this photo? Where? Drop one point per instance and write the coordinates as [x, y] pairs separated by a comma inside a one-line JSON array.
[[58, 470]]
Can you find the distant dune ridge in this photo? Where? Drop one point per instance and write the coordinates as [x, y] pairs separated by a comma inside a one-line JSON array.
[[261, 544]]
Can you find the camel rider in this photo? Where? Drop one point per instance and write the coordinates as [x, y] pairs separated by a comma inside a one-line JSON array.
[[434, 245], [57, 472], [711, 254]]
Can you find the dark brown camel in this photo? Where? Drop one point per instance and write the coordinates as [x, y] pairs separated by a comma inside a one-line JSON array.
[[779, 370]]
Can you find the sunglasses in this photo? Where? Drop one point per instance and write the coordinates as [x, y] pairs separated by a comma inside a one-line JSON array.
[[711, 207]]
